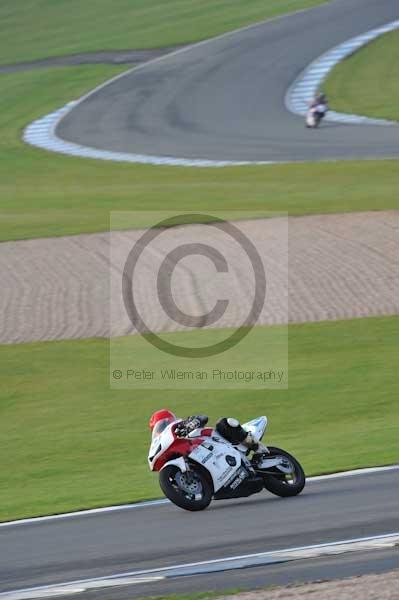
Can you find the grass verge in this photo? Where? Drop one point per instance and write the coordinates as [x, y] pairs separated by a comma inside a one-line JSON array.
[[367, 83], [44, 194], [40, 28], [69, 442]]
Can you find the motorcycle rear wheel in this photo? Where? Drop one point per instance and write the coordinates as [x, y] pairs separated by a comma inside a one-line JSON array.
[[286, 484], [190, 491]]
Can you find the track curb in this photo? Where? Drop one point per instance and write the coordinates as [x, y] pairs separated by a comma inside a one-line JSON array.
[[42, 132], [305, 87]]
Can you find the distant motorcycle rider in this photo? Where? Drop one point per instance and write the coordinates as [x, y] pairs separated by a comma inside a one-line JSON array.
[[319, 99], [227, 427], [318, 108]]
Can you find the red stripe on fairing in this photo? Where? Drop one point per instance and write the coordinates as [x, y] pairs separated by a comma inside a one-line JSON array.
[[208, 431], [181, 447]]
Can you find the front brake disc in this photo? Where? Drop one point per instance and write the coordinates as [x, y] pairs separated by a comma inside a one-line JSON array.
[[188, 483]]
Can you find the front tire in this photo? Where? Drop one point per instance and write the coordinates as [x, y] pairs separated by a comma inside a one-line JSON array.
[[190, 490], [288, 480]]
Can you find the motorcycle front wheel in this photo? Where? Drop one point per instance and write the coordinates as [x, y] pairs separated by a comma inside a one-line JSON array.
[[287, 479], [190, 490]]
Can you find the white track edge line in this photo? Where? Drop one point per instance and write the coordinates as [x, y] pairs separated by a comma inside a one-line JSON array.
[[304, 88], [219, 564], [161, 501], [41, 133]]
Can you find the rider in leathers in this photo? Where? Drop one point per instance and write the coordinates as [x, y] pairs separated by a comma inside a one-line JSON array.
[[229, 428]]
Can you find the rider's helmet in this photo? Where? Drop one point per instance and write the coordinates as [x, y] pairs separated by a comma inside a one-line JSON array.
[[160, 420]]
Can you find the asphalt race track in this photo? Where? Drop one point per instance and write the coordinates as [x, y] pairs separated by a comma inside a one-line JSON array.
[[224, 99], [148, 537]]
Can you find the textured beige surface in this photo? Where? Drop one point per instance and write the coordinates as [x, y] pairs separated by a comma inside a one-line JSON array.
[[368, 587], [339, 267]]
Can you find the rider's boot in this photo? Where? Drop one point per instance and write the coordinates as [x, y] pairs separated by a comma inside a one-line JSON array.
[[252, 443], [259, 449]]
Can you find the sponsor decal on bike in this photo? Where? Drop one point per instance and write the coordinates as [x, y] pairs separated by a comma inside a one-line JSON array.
[[225, 473], [239, 479], [207, 446], [206, 458]]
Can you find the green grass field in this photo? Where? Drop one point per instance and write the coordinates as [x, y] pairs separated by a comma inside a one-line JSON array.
[[45, 194], [40, 28], [68, 442], [367, 83]]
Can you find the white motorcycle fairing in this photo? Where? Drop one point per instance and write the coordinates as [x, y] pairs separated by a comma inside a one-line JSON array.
[[220, 459], [212, 454], [178, 462], [215, 460], [159, 444], [257, 427]]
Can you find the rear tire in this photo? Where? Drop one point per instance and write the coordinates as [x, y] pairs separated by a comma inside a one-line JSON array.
[[190, 491], [278, 483]]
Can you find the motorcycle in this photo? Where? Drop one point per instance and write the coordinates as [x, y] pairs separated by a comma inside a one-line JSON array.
[[195, 469], [315, 115]]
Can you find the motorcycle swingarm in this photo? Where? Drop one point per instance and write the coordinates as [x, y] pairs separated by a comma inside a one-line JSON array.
[[268, 463]]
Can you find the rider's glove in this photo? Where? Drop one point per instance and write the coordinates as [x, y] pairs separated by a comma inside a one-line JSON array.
[[196, 422], [181, 430], [190, 424]]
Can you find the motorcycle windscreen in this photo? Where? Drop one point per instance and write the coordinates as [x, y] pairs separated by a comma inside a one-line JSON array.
[[160, 427]]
